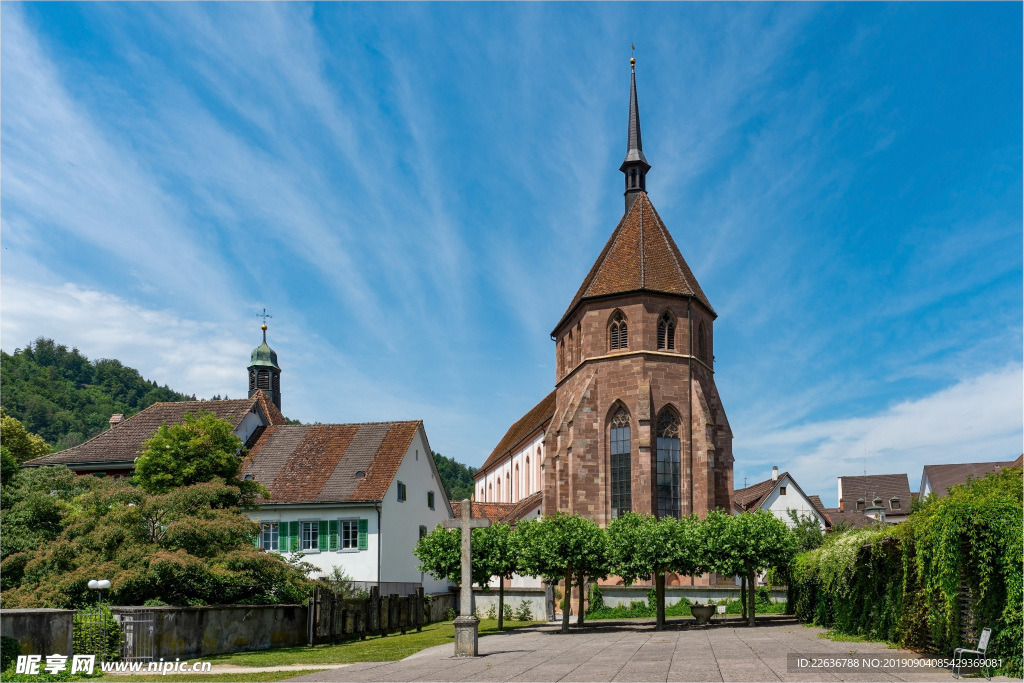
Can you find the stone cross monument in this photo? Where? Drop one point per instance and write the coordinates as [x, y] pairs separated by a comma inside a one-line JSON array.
[[466, 624]]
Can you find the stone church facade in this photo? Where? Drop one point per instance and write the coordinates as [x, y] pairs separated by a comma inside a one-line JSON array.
[[635, 422]]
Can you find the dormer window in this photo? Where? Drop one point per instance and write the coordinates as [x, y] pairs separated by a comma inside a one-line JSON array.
[[618, 334], [894, 503], [666, 332], [860, 504]]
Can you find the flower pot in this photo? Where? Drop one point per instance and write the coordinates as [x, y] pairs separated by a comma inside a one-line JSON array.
[[702, 613]]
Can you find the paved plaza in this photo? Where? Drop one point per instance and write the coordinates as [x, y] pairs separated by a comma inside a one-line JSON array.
[[632, 651]]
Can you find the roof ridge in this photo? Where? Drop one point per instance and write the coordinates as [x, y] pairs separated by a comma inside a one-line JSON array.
[[643, 280]]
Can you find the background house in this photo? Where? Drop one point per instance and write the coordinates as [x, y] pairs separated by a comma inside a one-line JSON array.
[[780, 495], [886, 497], [938, 478]]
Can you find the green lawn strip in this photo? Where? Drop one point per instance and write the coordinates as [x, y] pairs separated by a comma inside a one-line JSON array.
[[254, 676], [640, 610], [837, 637], [373, 649]]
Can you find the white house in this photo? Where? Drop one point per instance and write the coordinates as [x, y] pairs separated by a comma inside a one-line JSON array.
[[780, 495], [353, 496]]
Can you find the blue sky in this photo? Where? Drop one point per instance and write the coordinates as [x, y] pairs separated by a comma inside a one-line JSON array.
[[415, 192]]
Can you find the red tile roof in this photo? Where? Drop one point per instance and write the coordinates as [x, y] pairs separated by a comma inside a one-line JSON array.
[[941, 477], [536, 418], [329, 463], [850, 518], [639, 255], [884, 486], [123, 442], [509, 513], [751, 497]]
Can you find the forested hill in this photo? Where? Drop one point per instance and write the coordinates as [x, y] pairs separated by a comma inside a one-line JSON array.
[[457, 478], [65, 398]]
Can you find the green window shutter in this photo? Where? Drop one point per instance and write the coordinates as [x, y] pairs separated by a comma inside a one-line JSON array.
[[293, 536], [322, 535], [282, 537], [364, 532], [332, 535], [256, 541]]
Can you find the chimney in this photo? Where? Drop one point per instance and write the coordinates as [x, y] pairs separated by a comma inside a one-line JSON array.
[[116, 419], [775, 473]]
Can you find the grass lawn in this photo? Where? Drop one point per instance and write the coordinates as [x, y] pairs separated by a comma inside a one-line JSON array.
[[373, 649], [255, 677]]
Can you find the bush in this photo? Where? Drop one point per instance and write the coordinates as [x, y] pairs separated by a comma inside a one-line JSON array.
[[449, 614], [525, 611], [506, 612], [9, 651], [904, 584], [492, 611], [596, 601]]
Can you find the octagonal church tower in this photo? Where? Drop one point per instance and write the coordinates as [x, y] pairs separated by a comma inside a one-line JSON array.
[[638, 423]]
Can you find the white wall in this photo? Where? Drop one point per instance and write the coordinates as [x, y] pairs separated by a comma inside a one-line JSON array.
[[779, 505], [401, 521], [522, 469], [248, 425], [360, 565]]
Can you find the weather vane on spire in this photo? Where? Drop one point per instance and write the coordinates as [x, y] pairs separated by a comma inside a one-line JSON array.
[[632, 54], [264, 315]]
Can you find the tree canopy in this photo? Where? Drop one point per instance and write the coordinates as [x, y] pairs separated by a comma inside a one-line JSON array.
[[198, 449], [186, 546], [456, 477]]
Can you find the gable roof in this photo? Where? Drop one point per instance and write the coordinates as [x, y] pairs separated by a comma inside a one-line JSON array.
[[123, 442], [534, 419], [321, 463], [640, 255], [941, 477], [884, 486], [509, 513], [819, 506], [851, 518], [752, 497]]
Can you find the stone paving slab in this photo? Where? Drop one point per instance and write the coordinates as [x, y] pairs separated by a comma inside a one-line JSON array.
[[633, 653]]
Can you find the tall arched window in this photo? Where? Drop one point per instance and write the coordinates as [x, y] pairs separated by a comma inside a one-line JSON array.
[[618, 334], [515, 493], [620, 463], [666, 332], [529, 488], [702, 343], [561, 355], [668, 464], [572, 352], [490, 492], [508, 487]]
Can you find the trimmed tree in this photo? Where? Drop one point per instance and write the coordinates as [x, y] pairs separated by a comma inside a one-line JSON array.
[[746, 544], [559, 547], [641, 545], [496, 551]]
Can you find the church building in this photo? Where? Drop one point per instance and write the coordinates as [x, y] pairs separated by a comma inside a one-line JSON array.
[[635, 421]]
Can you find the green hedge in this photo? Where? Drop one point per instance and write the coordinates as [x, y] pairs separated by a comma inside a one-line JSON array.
[[903, 583]]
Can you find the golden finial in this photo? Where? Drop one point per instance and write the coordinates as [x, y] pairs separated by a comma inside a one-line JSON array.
[[263, 327], [632, 59]]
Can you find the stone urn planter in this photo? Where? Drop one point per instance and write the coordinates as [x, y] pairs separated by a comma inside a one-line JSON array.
[[702, 613]]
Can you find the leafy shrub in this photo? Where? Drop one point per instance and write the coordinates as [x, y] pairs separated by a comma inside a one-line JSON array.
[[9, 651], [449, 614], [904, 583], [525, 611], [596, 601], [506, 612], [492, 611]]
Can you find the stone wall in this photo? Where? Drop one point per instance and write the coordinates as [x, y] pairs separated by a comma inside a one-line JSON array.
[[440, 603], [514, 597], [190, 632], [38, 631], [614, 596]]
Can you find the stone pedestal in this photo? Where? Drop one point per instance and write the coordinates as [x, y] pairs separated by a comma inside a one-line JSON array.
[[466, 636]]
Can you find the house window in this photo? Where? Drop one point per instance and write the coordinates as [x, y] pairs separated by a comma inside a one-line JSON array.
[[349, 534], [430, 499], [311, 535], [423, 531], [269, 536], [668, 465], [618, 334], [666, 332], [860, 504], [782, 490], [620, 463], [401, 492], [894, 503]]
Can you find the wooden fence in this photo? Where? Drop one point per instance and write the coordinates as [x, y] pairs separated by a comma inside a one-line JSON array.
[[333, 618]]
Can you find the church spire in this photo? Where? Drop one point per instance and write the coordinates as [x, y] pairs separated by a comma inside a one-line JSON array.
[[635, 165], [264, 372]]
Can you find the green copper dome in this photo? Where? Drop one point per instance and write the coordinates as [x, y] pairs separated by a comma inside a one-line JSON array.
[[263, 355]]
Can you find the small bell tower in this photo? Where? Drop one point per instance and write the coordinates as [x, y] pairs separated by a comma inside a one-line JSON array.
[[264, 372]]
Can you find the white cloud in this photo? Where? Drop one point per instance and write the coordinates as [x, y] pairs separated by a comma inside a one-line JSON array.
[[977, 419]]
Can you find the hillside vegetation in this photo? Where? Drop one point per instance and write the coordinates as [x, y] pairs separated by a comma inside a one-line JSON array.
[[65, 398], [457, 478]]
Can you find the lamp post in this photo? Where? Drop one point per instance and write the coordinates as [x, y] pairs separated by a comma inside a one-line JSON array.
[[99, 587]]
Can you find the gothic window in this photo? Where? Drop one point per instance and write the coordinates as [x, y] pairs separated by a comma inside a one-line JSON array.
[[668, 464], [666, 332], [702, 344], [529, 489], [515, 494], [561, 354], [508, 487], [618, 334], [572, 351], [620, 463], [579, 344]]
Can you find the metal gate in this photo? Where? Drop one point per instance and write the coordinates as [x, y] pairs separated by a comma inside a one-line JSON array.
[[95, 631], [137, 625]]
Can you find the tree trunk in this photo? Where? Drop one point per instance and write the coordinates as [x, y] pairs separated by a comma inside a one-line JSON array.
[[501, 601], [659, 593], [752, 587], [580, 612], [567, 601], [743, 597]]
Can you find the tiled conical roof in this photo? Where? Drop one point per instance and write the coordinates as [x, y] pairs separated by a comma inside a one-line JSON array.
[[639, 256]]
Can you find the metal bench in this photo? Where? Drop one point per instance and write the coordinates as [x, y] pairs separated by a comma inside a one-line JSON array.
[[958, 654]]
